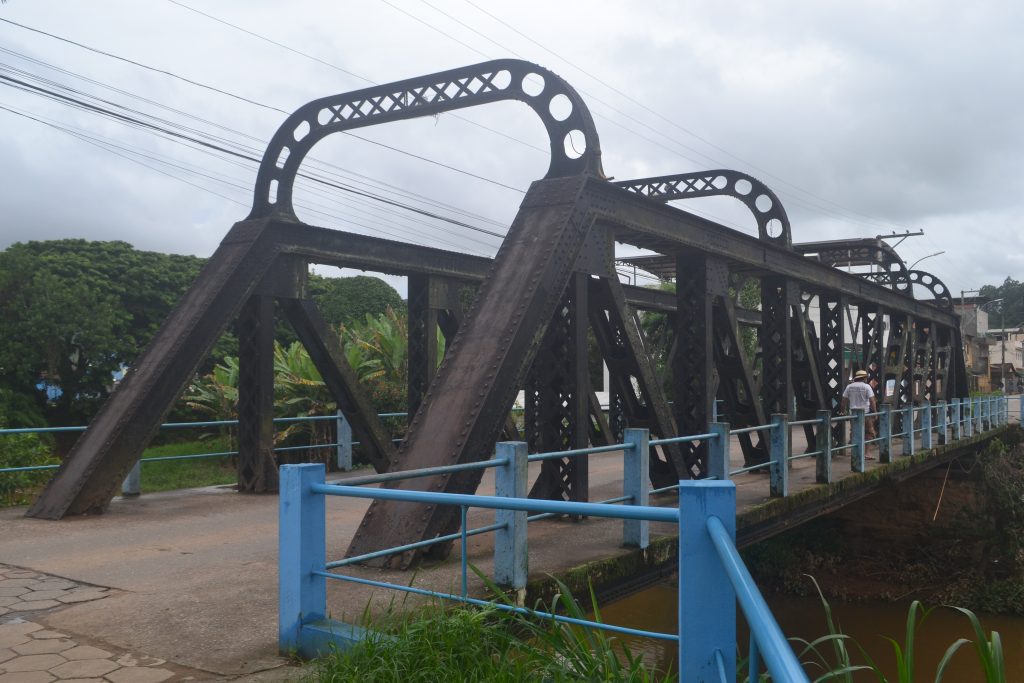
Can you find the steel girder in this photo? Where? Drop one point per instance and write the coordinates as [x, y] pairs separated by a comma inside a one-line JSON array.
[[762, 202], [542, 266]]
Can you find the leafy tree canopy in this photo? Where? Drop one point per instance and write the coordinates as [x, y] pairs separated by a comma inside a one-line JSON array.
[[348, 300], [76, 311], [1012, 294]]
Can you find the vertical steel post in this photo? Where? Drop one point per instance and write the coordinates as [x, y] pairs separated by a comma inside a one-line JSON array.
[[943, 426], [718, 452], [885, 422], [132, 485], [823, 466], [926, 426], [857, 450], [703, 590], [778, 454], [344, 441], [635, 484], [511, 563], [302, 549], [908, 431], [957, 424]]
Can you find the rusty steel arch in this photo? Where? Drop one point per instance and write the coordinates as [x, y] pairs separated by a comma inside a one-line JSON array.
[[766, 207], [494, 81]]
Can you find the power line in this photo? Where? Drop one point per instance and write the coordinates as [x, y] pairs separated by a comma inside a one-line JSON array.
[[226, 93], [338, 68], [667, 120], [23, 85]]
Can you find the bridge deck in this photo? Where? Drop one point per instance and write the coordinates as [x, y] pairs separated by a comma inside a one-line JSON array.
[[195, 571]]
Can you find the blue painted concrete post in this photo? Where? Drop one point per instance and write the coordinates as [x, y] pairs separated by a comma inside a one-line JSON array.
[[926, 426], [132, 485], [344, 443], [885, 434], [908, 430], [984, 412], [707, 602], [302, 549], [823, 444], [718, 451], [778, 453], [857, 449], [511, 563], [976, 414], [636, 484], [943, 426], [1020, 407], [958, 431], [967, 408]]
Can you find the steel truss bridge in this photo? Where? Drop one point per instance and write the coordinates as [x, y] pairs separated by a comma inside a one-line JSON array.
[[551, 286]]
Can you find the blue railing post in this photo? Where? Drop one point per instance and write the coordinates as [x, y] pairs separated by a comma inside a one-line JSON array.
[[511, 555], [302, 550], [958, 431], [976, 415], [885, 434], [967, 408], [908, 430], [718, 451], [344, 440], [926, 426], [636, 484], [779, 454], [1020, 407], [132, 485], [823, 444], [943, 426], [857, 449], [707, 601]]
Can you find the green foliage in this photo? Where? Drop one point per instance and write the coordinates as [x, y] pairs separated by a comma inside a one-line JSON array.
[[437, 643], [348, 300], [840, 666], [378, 351], [75, 312], [187, 474], [23, 450], [1012, 307]]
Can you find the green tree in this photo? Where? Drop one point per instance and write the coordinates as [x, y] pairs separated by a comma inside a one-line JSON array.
[[75, 312], [347, 300], [1012, 294]]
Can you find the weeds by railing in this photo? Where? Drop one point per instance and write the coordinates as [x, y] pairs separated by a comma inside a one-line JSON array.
[[707, 647]]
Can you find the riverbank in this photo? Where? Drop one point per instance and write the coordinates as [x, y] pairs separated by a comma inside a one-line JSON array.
[[954, 535]]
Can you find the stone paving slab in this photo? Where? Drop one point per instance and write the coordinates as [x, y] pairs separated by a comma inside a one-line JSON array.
[[31, 652]]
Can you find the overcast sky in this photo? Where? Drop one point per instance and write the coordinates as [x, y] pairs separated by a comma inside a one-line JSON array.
[[864, 117]]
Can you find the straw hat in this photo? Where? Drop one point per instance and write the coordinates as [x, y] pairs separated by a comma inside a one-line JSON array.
[[860, 373]]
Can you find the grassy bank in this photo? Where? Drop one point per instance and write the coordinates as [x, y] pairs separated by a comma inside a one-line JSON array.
[[186, 474]]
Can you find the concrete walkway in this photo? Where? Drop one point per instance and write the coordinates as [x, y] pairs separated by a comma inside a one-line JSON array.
[[190, 577]]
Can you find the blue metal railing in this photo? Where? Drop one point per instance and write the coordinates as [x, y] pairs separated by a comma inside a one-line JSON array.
[[962, 417], [705, 548]]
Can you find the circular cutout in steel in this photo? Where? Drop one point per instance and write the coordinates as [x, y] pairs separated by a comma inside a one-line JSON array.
[[773, 228], [301, 131], [324, 116], [763, 203], [533, 84], [575, 144], [743, 186], [560, 107]]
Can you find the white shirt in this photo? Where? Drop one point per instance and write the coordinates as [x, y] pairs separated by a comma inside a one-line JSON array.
[[859, 394]]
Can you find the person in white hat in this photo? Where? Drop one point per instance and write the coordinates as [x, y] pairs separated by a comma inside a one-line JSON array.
[[859, 394]]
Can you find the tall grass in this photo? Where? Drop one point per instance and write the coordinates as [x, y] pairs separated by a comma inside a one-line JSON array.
[[444, 643]]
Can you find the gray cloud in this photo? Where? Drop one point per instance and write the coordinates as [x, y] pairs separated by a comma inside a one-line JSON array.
[[864, 117]]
